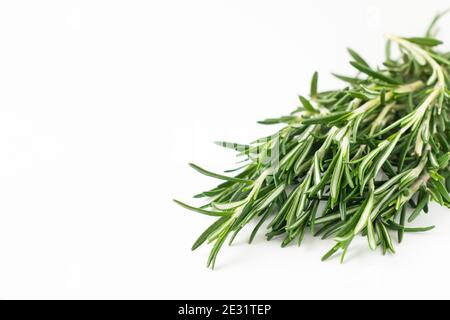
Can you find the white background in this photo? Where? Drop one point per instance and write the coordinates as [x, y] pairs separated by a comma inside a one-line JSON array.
[[103, 104]]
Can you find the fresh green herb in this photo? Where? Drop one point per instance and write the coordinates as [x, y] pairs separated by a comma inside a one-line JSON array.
[[363, 160]]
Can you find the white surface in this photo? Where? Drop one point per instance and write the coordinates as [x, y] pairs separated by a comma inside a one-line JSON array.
[[103, 104]]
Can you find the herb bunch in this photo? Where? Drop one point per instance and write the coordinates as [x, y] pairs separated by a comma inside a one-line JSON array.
[[362, 160]]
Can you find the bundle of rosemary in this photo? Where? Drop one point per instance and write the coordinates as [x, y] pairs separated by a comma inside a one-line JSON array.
[[362, 160]]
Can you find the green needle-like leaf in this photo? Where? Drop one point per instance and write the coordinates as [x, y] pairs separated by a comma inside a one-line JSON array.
[[206, 212], [426, 42], [374, 74], [358, 58], [314, 84], [218, 176]]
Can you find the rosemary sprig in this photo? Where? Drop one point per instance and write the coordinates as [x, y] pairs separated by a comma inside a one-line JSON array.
[[362, 160]]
